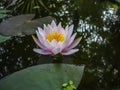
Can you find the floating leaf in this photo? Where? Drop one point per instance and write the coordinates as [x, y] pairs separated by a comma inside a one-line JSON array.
[[42, 77], [3, 38], [64, 84], [23, 25], [36, 7], [3, 13]]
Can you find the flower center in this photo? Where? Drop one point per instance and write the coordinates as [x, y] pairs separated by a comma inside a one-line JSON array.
[[55, 35]]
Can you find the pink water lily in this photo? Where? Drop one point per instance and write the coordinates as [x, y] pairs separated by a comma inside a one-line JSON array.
[[54, 39]]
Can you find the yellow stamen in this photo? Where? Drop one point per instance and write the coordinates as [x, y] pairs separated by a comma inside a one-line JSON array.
[[55, 35]]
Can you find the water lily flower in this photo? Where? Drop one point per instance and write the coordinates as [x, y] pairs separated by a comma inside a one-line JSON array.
[[54, 39]]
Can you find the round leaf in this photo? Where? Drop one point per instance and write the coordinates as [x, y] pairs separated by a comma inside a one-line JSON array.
[[42, 77], [23, 25]]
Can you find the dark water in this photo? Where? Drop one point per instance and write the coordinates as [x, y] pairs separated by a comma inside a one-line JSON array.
[[98, 23]]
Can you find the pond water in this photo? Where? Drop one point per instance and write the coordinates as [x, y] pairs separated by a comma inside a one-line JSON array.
[[97, 22]]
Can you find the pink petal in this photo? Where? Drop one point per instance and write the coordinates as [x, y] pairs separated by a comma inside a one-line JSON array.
[[69, 52], [63, 45], [41, 51], [50, 28], [69, 32], [37, 42], [40, 37], [69, 41], [60, 29], [74, 44]]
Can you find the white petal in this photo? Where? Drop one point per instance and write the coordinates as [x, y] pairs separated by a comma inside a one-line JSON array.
[[41, 35], [43, 40], [56, 48], [41, 51], [40, 29], [54, 43], [66, 28], [44, 26], [53, 24], [59, 25], [55, 51], [72, 51]]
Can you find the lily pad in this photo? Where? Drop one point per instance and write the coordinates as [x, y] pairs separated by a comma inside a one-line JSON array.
[[3, 38], [23, 25], [43, 77]]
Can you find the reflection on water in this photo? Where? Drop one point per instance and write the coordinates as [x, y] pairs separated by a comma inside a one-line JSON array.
[[16, 54], [99, 27]]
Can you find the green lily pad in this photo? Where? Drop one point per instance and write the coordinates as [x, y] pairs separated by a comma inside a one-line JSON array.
[[43, 77], [3, 38], [23, 25]]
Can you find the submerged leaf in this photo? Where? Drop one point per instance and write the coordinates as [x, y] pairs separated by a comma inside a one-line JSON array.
[[36, 7], [12, 3], [3, 13], [43, 77]]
